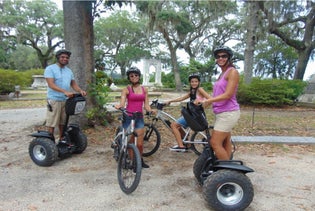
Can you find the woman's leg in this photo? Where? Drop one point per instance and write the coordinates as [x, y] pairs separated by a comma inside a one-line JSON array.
[[227, 144], [176, 131], [140, 133], [217, 143]]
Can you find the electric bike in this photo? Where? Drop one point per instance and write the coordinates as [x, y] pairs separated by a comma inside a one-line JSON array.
[[44, 150]]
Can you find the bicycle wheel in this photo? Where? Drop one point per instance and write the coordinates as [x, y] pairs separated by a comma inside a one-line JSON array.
[[151, 140], [129, 169], [198, 147]]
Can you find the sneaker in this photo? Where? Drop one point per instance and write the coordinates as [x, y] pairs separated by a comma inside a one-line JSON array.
[[178, 149], [144, 165], [65, 142]]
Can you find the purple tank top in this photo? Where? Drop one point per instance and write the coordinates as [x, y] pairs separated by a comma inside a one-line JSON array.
[[225, 105], [135, 101]]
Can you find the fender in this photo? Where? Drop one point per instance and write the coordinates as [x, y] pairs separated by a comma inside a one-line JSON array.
[[44, 134], [74, 125], [232, 164]]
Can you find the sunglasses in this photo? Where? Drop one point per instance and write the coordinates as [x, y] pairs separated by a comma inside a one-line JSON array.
[[133, 75], [224, 56]]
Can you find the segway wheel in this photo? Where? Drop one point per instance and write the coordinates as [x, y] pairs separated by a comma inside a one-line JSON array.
[[43, 151], [202, 167], [80, 143], [228, 190]]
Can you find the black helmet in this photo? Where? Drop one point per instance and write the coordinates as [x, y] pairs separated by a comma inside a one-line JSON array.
[[62, 51], [193, 75], [223, 49], [133, 70]]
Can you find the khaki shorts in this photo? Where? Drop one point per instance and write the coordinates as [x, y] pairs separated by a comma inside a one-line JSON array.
[[57, 116], [225, 121]]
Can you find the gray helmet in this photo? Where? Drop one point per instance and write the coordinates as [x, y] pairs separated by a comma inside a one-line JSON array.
[[194, 75], [223, 49], [133, 70], [62, 51]]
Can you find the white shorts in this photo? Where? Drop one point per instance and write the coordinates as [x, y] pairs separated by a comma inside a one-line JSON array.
[[225, 121]]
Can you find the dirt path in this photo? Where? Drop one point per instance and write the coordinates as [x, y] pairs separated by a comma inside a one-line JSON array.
[[283, 177]]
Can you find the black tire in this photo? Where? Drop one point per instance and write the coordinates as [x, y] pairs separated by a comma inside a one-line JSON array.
[[151, 140], [80, 143], [202, 166], [43, 151], [117, 143], [197, 148], [129, 169], [228, 190]]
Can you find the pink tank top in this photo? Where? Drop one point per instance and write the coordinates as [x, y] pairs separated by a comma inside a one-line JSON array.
[[225, 105], [135, 101]]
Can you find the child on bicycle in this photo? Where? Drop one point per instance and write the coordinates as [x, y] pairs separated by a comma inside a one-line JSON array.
[[195, 92], [136, 97]]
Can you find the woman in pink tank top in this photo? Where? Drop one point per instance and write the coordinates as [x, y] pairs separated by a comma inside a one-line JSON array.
[[224, 103], [136, 97]]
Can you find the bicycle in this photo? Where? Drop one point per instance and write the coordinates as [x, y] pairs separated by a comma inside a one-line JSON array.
[[127, 154], [152, 137]]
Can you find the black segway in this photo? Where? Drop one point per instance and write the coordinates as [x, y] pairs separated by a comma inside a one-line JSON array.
[[43, 148], [225, 185]]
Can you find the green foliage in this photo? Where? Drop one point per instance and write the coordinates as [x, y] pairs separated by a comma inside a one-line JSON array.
[[275, 59], [11, 78], [270, 92], [207, 86], [168, 80], [23, 58], [120, 40], [36, 24], [99, 91], [121, 81]]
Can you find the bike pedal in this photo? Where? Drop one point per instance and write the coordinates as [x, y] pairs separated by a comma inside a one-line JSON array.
[[113, 145]]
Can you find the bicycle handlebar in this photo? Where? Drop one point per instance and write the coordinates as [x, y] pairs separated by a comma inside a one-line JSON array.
[[134, 114], [158, 104]]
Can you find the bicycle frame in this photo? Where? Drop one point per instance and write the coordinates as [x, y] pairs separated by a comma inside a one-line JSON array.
[[126, 134], [164, 118]]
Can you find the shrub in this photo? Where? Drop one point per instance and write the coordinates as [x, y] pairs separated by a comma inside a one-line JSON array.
[[99, 91], [207, 86], [271, 92], [10, 78]]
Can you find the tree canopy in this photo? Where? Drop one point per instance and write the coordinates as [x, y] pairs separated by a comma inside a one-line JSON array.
[[285, 29]]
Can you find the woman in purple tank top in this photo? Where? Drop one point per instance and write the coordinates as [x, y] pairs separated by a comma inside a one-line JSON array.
[[224, 103], [136, 97]]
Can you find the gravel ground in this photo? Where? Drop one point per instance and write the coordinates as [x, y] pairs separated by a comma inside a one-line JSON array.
[[283, 177]]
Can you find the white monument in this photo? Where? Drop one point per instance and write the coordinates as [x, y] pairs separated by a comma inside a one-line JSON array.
[[152, 66], [39, 82], [309, 93]]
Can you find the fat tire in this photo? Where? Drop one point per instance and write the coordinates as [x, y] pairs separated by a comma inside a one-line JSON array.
[[43, 151], [151, 140], [80, 143], [197, 148], [228, 190], [129, 176], [200, 164]]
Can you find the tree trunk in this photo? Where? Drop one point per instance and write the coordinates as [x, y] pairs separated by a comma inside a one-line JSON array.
[[79, 39], [302, 63], [252, 24], [178, 82]]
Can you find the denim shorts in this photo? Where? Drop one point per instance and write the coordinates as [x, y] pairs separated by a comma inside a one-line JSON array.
[[138, 125], [181, 120]]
